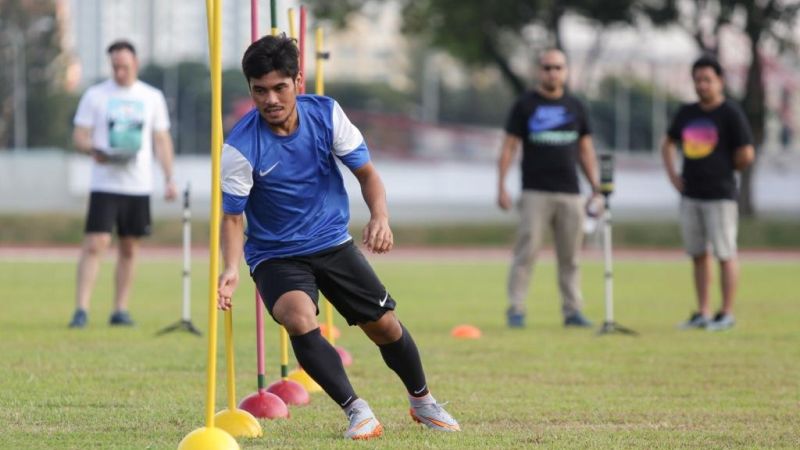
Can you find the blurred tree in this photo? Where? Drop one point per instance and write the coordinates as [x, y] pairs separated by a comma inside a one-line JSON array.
[[769, 24], [189, 101], [481, 33], [33, 72], [641, 94]]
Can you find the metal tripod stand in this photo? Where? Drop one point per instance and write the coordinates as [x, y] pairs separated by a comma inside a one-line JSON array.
[[185, 324]]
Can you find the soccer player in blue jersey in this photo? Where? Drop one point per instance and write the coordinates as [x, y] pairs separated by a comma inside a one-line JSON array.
[[279, 169]]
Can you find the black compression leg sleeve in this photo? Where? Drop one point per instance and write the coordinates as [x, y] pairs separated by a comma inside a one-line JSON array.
[[402, 356], [321, 361]]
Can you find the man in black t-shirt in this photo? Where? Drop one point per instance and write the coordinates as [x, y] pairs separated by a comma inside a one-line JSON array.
[[553, 131], [715, 140]]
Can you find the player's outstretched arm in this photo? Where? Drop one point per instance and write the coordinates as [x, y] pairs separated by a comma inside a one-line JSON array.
[[232, 241], [378, 236]]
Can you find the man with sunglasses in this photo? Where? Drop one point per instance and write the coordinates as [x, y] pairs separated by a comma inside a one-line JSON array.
[[552, 128]]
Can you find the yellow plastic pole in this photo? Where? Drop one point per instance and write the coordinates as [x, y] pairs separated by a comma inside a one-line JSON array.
[[320, 89], [273, 15], [216, 200], [284, 341], [292, 27], [231, 385], [209, 436]]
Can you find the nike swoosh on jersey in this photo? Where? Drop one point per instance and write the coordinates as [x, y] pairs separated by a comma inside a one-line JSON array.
[[264, 173]]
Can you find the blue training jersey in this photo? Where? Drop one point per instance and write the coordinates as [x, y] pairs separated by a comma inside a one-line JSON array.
[[289, 187]]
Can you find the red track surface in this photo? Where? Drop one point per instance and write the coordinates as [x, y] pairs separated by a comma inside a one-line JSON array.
[[466, 254]]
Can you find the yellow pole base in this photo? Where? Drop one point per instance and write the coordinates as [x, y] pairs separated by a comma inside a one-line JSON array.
[[208, 439], [300, 376], [238, 423]]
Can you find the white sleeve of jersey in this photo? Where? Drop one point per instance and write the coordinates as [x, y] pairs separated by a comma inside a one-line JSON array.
[[346, 137], [236, 172]]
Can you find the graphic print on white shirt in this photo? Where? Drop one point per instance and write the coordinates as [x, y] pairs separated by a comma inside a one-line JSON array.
[[125, 125]]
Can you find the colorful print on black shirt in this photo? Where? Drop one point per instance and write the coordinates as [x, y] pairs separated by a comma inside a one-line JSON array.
[[550, 131], [708, 141]]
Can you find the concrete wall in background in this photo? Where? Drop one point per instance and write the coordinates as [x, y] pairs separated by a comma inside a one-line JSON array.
[[418, 192]]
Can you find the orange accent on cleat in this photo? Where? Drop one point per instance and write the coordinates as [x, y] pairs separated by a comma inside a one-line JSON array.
[[430, 422], [377, 432]]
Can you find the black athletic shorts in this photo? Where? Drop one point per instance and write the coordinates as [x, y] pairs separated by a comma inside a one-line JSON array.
[[129, 213], [341, 273]]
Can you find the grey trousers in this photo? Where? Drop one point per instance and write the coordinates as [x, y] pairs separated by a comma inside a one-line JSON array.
[[539, 211]]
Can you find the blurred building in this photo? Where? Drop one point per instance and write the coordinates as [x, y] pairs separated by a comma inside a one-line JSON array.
[[372, 49], [164, 32]]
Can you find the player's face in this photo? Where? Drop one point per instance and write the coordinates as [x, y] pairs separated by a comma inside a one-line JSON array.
[[707, 84], [275, 96], [124, 66], [552, 70]]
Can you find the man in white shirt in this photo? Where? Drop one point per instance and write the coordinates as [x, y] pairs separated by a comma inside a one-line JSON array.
[[119, 123]]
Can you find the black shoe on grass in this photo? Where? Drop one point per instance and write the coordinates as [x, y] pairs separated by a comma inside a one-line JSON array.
[[120, 318], [79, 319], [696, 320], [577, 320]]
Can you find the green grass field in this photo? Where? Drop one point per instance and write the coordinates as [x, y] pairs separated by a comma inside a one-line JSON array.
[[543, 386]]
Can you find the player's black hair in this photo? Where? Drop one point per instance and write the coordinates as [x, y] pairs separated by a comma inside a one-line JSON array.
[[708, 61], [271, 53], [121, 45]]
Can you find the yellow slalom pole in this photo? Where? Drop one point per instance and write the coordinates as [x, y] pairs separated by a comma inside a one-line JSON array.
[[229, 360], [292, 27], [237, 422], [216, 145], [273, 15], [320, 90], [298, 375], [209, 436], [284, 342]]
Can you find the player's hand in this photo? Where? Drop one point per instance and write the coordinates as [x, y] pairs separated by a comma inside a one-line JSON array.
[[503, 200], [170, 191], [226, 285], [378, 237], [677, 182], [594, 204]]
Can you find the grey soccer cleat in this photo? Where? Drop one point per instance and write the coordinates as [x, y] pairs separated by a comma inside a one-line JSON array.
[[363, 423], [433, 416]]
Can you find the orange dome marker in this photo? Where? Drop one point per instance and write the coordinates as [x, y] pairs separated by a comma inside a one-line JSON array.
[[466, 332]]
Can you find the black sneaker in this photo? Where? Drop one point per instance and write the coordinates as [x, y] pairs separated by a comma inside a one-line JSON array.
[[79, 319], [515, 319], [696, 320], [121, 318], [577, 320]]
